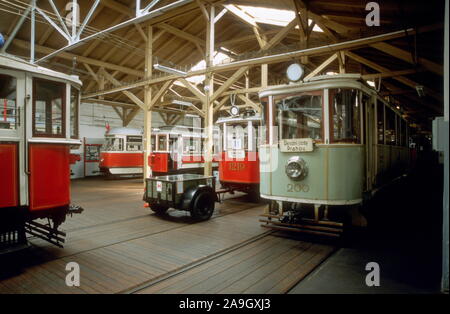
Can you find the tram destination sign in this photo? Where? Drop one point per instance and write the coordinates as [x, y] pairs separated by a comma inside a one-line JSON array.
[[296, 145]]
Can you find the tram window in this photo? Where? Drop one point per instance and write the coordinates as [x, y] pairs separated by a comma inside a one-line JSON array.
[[237, 137], [113, 144], [153, 143], [162, 143], [390, 131], [346, 122], [191, 145], [134, 143], [8, 102], [48, 108], [300, 116], [264, 130], [380, 122], [74, 106]]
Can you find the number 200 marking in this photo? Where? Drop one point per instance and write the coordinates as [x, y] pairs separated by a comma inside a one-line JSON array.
[[297, 187]]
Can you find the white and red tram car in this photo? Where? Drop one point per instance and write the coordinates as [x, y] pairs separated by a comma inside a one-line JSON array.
[[179, 150], [122, 153], [38, 125], [239, 163]]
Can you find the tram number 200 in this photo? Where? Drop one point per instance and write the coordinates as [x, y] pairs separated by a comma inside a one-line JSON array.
[[297, 187]]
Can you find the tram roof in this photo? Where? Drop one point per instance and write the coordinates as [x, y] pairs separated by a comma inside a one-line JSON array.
[[125, 131], [15, 63]]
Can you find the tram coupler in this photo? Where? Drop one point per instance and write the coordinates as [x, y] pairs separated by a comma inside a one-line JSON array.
[[74, 209]]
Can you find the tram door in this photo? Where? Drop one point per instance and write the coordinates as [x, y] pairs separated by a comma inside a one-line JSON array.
[[12, 177], [369, 105]]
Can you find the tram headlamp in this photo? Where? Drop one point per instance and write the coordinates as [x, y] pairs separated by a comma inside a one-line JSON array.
[[296, 168]]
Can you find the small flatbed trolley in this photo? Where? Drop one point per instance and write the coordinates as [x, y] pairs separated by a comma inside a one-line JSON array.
[[38, 125], [191, 192]]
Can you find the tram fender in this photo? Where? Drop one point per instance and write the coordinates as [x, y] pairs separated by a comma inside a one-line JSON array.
[[191, 194]]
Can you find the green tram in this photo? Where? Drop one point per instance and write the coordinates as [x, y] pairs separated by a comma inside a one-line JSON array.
[[328, 144]]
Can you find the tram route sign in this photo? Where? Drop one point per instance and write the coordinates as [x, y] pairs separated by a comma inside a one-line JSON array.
[[296, 145]]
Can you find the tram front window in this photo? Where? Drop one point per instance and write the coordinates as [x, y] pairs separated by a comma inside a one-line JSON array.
[[48, 108], [113, 144], [8, 103], [346, 122], [237, 137], [300, 116]]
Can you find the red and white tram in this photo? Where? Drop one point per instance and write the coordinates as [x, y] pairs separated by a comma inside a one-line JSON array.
[[239, 164], [179, 150], [122, 153], [38, 125]]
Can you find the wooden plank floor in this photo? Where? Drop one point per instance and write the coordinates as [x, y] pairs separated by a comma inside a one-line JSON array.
[[120, 245]]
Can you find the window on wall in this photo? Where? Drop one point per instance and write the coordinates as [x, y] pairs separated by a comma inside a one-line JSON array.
[[48, 108], [390, 132], [346, 117], [380, 122], [8, 102], [300, 116], [74, 107]]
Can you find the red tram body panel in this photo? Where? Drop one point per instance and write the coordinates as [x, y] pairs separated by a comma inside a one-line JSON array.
[[49, 163], [159, 162], [9, 183], [241, 171], [118, 160]]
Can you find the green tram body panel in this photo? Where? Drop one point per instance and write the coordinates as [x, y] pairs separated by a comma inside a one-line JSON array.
[[335, 174]]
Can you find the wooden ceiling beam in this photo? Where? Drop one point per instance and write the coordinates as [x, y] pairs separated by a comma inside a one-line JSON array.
[[70, 56], [408, 57]]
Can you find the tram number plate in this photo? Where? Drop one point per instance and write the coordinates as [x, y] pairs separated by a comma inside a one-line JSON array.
[[158, 186], [296, 145], [236, 154], [298, 187]]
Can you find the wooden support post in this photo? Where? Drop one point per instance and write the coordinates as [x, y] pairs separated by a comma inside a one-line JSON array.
[[147, 142], [208, 106], [264, 75]]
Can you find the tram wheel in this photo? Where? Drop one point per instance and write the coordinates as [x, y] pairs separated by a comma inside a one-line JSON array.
[[203, 206], [159, 209]]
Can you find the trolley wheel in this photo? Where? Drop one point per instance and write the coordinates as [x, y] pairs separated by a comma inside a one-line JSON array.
[[159, 209], [203, 207]]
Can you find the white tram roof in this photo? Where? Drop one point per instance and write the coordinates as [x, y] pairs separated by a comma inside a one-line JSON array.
[[320, 82], [346, 80], [239, 119], [125, 131], [14, 63]]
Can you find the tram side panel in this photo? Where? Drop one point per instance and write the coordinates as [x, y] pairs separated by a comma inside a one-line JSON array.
[[118, 163], [49, 176], [9, 170], [239, 170]]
